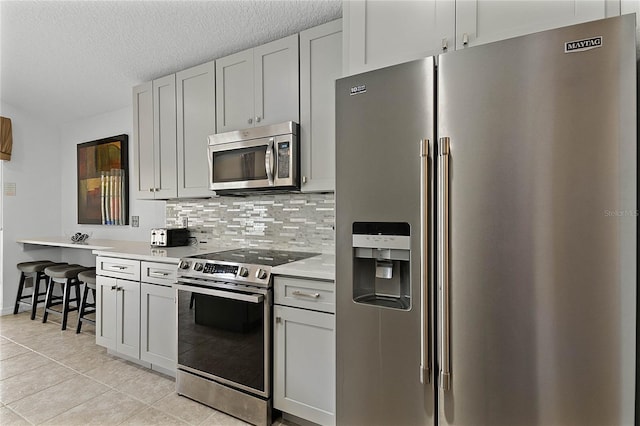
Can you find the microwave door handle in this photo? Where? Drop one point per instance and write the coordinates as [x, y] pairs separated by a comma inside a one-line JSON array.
[[269, 161]]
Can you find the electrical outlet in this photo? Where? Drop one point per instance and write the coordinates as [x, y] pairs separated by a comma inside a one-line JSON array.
[[135, 221], [185, 222]]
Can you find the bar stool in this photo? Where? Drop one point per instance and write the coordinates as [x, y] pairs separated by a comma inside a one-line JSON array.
[[67, 277], [88, 277], [35, 271]]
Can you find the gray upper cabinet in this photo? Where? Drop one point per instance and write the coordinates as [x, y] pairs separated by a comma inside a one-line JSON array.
[[258, 86], [234, 86], [276, 81], [172, 117], [382, 33], [483, 21], [196, 119], [164, 137], [143, 157], [154, 139], [320, 66]]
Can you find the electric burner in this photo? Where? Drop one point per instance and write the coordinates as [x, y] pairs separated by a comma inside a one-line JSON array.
[[257, 257]]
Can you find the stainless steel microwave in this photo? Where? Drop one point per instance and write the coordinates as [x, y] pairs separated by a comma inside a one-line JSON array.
[[257, 159]]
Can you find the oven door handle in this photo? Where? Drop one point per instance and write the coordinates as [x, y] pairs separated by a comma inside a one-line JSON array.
[[252, 298]]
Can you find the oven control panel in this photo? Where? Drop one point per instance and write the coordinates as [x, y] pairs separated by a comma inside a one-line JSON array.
[[209, 270]]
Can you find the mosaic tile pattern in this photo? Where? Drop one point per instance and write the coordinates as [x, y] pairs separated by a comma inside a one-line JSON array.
[[303, 222]]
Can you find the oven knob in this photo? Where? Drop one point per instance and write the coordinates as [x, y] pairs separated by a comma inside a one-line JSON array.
[[184, 264], [198, 267], [261, 274], [243, 272]]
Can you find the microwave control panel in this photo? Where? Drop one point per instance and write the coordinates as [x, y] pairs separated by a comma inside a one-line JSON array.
[[283, 159]]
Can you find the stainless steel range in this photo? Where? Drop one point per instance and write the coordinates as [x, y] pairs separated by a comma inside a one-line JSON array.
[[225, 304]]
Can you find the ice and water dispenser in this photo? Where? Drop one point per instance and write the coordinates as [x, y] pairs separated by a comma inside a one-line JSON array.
[[382, 264]]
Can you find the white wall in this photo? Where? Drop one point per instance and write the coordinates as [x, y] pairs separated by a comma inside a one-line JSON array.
[[44, 168], [151, 213], [35, 209]]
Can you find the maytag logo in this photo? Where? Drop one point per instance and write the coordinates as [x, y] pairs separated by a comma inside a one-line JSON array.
[[356, 90], [582, 45]]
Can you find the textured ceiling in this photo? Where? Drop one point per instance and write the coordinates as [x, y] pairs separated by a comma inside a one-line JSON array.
[[62, 61]]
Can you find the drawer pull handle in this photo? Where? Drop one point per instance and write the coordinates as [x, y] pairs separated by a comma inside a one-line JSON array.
[[114, 287], [300, 293], [159, 274], [121, 268]]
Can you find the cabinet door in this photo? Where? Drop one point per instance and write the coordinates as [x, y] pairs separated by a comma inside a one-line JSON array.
[[382, 33], [164, 137], [128, 318], [158, 325], [106, 312], [143, 157], [304, 367], [320, 66], [276, 81], [484, 21], [234, 88], [196, 120]]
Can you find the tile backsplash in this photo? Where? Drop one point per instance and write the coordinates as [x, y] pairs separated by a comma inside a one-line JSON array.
[[302, 222]]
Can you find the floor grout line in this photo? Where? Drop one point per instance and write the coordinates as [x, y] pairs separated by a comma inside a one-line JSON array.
[[145, 405]]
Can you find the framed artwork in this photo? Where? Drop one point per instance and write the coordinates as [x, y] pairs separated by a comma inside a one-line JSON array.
[[103, 181]]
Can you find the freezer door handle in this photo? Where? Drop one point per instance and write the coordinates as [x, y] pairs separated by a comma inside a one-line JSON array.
[[443, 263], [425, 197]]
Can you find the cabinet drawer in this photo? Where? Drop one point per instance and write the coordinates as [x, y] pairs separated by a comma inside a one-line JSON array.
[[158, 273], [118, 268], [301, 293]]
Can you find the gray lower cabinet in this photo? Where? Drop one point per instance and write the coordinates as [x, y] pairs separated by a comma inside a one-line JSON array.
[[304, 349], [158, 315], [158, 325], [136, 313], [118, 315]]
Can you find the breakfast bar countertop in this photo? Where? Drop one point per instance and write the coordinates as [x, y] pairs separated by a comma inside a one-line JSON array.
[[138, 250]]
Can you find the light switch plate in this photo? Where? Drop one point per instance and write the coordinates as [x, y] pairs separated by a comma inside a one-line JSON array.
[[135, 221]]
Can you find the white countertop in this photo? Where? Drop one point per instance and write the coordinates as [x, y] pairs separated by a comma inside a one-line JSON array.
[[318, 267], [90, 244], [322, 267], [139, 250], [143, 251]]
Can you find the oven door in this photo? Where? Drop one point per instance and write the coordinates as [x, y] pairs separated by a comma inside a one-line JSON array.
[[256, 164], [225, 335]]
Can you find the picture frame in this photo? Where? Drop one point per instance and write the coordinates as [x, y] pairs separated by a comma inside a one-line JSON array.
[[103, 181]]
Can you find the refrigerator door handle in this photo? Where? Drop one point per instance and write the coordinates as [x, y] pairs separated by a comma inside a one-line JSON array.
[[443, 263], [425, 179]]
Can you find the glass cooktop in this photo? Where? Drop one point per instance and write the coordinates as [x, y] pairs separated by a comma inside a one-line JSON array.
[[256, 256]]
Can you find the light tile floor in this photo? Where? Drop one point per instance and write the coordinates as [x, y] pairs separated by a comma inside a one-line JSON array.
[[54, 377]]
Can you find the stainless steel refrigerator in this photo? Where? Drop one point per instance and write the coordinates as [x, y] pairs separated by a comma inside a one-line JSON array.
[[486, 234]]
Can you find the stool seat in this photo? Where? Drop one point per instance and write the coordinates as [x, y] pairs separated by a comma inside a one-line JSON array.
[[88, 276], [67, 277], [35, 271], [34, 266], [68, 271]]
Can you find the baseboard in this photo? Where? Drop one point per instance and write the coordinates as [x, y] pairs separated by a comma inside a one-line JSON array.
[[9, 310]]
